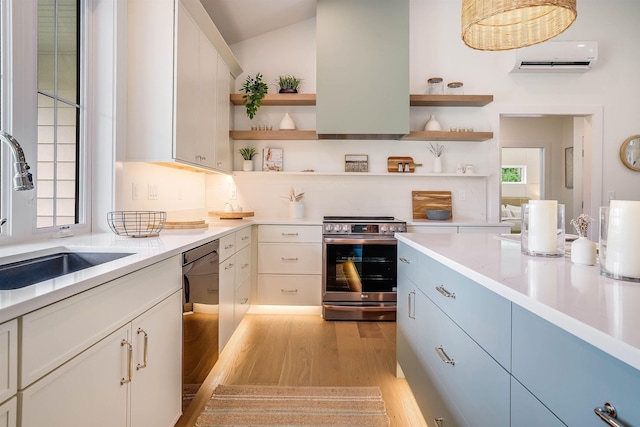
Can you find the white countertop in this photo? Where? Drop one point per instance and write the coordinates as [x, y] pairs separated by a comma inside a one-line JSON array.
[[601, 311]]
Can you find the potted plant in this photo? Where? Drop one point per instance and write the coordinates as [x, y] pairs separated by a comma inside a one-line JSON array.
[[254, 90], [247, 154], [288, 84], [296, 206]]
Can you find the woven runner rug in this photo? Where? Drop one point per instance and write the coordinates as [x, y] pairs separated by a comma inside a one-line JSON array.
[[238, 405]]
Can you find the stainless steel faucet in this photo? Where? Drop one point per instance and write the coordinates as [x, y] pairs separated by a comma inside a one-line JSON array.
[[22, 180]]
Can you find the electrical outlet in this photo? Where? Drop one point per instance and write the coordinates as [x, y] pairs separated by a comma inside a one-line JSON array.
[[234, 193], [462, 195], [134, 191], [152, 192]]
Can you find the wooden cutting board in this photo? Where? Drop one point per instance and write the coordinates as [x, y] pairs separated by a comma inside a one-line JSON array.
[[232, 215], [185, 225], [393, 161], [423, 200]]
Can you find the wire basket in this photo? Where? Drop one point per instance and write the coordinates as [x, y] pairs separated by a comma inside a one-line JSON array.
[[137, 223]]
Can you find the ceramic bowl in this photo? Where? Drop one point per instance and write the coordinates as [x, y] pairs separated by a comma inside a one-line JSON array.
[[438, 214]]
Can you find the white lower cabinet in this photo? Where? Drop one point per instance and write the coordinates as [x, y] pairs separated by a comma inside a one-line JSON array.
[[8, 360], [235, 282], [9, 412], [109, 356], [290, 265], [134, 372]]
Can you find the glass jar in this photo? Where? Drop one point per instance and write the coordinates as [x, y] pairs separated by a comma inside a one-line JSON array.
[[435, 86], [455, 88]]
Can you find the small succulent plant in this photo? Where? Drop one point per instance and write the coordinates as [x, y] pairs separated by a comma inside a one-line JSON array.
[[247, 153]]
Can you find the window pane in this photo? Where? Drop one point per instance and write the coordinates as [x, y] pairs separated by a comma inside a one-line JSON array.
[[58, 112]]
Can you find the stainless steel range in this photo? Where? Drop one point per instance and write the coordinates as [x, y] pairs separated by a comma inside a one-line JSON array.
[[359, 271]]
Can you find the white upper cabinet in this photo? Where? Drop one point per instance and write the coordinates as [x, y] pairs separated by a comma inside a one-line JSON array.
[[174, 112]]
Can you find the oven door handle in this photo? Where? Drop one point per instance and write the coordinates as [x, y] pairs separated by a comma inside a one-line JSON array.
[[360, 241], [360, 308]]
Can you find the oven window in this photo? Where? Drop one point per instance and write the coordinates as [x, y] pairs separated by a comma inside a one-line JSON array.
[[360, 268]]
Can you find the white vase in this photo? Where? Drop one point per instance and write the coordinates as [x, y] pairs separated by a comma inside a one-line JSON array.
[[437, 165], [247, 165], [296, 210], [432, 124], [583, 251], [287, 123]]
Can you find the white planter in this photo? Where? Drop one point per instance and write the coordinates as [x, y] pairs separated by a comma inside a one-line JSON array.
[[437, 165], [247, 165], [583, 251], [296, 210], [287, 123], [432, 124]]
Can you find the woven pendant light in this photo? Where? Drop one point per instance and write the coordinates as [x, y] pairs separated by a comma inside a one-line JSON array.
[[511, 24]]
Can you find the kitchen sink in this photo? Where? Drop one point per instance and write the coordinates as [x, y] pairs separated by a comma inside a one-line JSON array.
[[16, 275]]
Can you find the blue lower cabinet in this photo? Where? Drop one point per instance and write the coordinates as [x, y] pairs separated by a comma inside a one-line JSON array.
[[569, 376], [474, 387], [527, 411]]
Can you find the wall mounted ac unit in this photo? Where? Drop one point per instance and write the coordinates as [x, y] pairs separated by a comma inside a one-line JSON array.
[[557, 56]]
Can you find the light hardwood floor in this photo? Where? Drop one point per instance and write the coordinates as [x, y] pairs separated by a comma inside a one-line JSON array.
[[306, 350]]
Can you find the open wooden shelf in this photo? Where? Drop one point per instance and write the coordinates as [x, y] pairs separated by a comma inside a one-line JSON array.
[[279, 99], [450, 100], [272, 135], [364, 174], [447, 136]]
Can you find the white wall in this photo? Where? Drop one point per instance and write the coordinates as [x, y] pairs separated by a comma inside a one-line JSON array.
[[436, 49]]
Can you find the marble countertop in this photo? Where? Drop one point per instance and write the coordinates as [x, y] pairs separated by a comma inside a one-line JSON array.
[[601, 311]]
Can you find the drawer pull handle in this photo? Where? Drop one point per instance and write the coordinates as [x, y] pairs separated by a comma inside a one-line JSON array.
[[445, 358], [229, 246], [289, 291], [608, 414], [445, 292], [439, 421], [145, 351], [244, 237], [289, 234], [244, 265], [124, 380], [228, 266], [406, 261], [244, 300], [412, 307], [289, 259]]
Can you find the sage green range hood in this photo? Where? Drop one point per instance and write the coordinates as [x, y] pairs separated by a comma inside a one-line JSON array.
[[362, 69]]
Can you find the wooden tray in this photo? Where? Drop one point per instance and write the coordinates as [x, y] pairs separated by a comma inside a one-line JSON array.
[[393, 161], [423, 200], [185, 225], [232, 215]]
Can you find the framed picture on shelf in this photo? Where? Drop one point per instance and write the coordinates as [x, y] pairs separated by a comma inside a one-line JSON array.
[[356, 163], [272, 159]]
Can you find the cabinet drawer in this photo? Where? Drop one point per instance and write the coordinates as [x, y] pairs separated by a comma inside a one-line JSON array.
[[527, 411], [227, 246], [475, 388], [8, 359], [243, 238], [243, 265], [56, 333], [289, 290], [303, 258], [290, 233], [408, 260], [9, 413], [570, 376], [481, 313]]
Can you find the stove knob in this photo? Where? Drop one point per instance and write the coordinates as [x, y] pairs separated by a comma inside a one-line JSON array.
[[383, 228], [328, 227], [345, 227], [392, 228]]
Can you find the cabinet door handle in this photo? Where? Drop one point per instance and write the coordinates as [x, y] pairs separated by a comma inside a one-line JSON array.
[[406, 261], [244, 300], [289, 259], [125, 380], [445, 292], [412, 307], [289, 234], [608, 414], [228, 266], [445, 358], [145, 351], [289, 291]]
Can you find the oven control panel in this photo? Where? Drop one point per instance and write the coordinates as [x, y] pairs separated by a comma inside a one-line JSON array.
[[363, 228]]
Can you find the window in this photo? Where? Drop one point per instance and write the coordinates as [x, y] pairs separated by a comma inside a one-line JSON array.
[[59, 124], [514, 174]]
